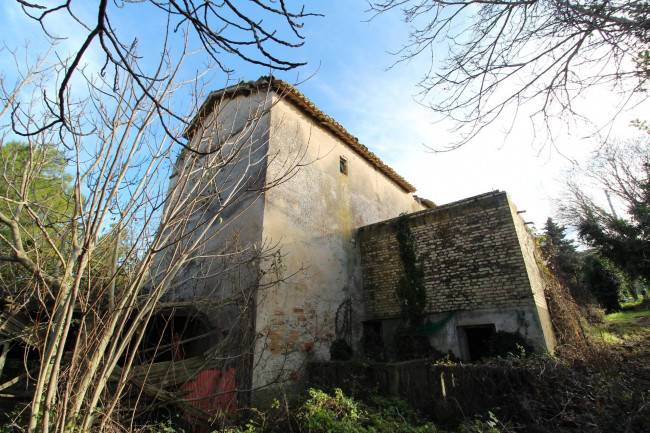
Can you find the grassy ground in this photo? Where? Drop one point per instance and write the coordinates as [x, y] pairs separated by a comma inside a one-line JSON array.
[[629, 326], [626, 333]]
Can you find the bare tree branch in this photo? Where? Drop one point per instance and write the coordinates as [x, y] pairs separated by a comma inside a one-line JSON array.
[[64, 206], [505, 53], [222, 29]]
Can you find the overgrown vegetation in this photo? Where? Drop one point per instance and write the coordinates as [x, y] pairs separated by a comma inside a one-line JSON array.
[[411, 293], [411, 296], [335, 412], [591, 277], [600, 387]]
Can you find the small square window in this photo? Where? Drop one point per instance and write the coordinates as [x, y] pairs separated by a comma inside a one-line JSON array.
[[343, 166]]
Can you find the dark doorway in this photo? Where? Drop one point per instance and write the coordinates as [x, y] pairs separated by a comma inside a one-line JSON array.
[[373, 341], [478, 340], [173, 337]]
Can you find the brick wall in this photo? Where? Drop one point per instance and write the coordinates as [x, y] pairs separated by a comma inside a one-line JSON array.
[[471, 254]]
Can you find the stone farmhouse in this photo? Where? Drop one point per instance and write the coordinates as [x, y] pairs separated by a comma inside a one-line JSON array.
[[329, 224]]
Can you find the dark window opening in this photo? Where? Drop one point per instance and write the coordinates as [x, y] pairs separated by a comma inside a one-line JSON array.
[[478, 340], [343, 166]]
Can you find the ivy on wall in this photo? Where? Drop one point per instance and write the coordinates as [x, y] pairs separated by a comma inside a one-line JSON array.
[[411, 293]]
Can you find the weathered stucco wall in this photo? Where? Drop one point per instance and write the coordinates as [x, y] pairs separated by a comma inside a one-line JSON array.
[[528, 249], [474, 266], [218, 205], [312, 216], [218, 200]]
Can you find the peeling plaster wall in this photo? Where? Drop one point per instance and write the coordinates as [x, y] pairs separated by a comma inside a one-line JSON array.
[[313, 217], [240, 128], [479, 264], [224, 267]]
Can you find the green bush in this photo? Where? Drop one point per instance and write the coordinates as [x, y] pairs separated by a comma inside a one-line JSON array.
[[324, 413], [478, 425], [331, 414], [337, 413], [604, 281]]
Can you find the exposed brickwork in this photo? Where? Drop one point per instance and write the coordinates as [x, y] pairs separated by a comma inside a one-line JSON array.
[[471, 252], [296, 331]]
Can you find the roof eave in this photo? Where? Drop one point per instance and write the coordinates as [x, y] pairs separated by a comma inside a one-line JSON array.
[[289, 92]]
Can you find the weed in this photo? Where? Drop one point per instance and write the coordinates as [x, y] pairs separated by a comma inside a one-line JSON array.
[[489, 424]]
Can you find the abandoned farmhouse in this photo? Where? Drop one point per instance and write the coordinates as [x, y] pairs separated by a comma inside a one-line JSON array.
[[314, 228]]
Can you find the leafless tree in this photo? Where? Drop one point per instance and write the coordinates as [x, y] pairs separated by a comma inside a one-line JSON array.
[[128, 243], [503, 53], [607, 203], [98, 257], [610, 182], [255, 31]]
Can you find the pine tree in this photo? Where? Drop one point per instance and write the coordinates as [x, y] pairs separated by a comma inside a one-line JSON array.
[[561, 256]]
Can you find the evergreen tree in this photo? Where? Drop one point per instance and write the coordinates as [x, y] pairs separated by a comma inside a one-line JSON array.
[[561, 257], [617, 228], [624, 240], [34, 178], [604, 281]]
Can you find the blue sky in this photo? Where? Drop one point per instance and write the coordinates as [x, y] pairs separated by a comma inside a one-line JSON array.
[[347, 77]]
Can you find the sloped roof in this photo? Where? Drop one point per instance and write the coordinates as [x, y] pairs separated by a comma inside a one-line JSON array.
[[290, 93]]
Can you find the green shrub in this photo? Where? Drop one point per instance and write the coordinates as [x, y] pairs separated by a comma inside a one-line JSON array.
[[324, 413], [478, 425], [604, 281]]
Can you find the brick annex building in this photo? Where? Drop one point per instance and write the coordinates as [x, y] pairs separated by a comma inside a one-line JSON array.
[[332, 222]]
